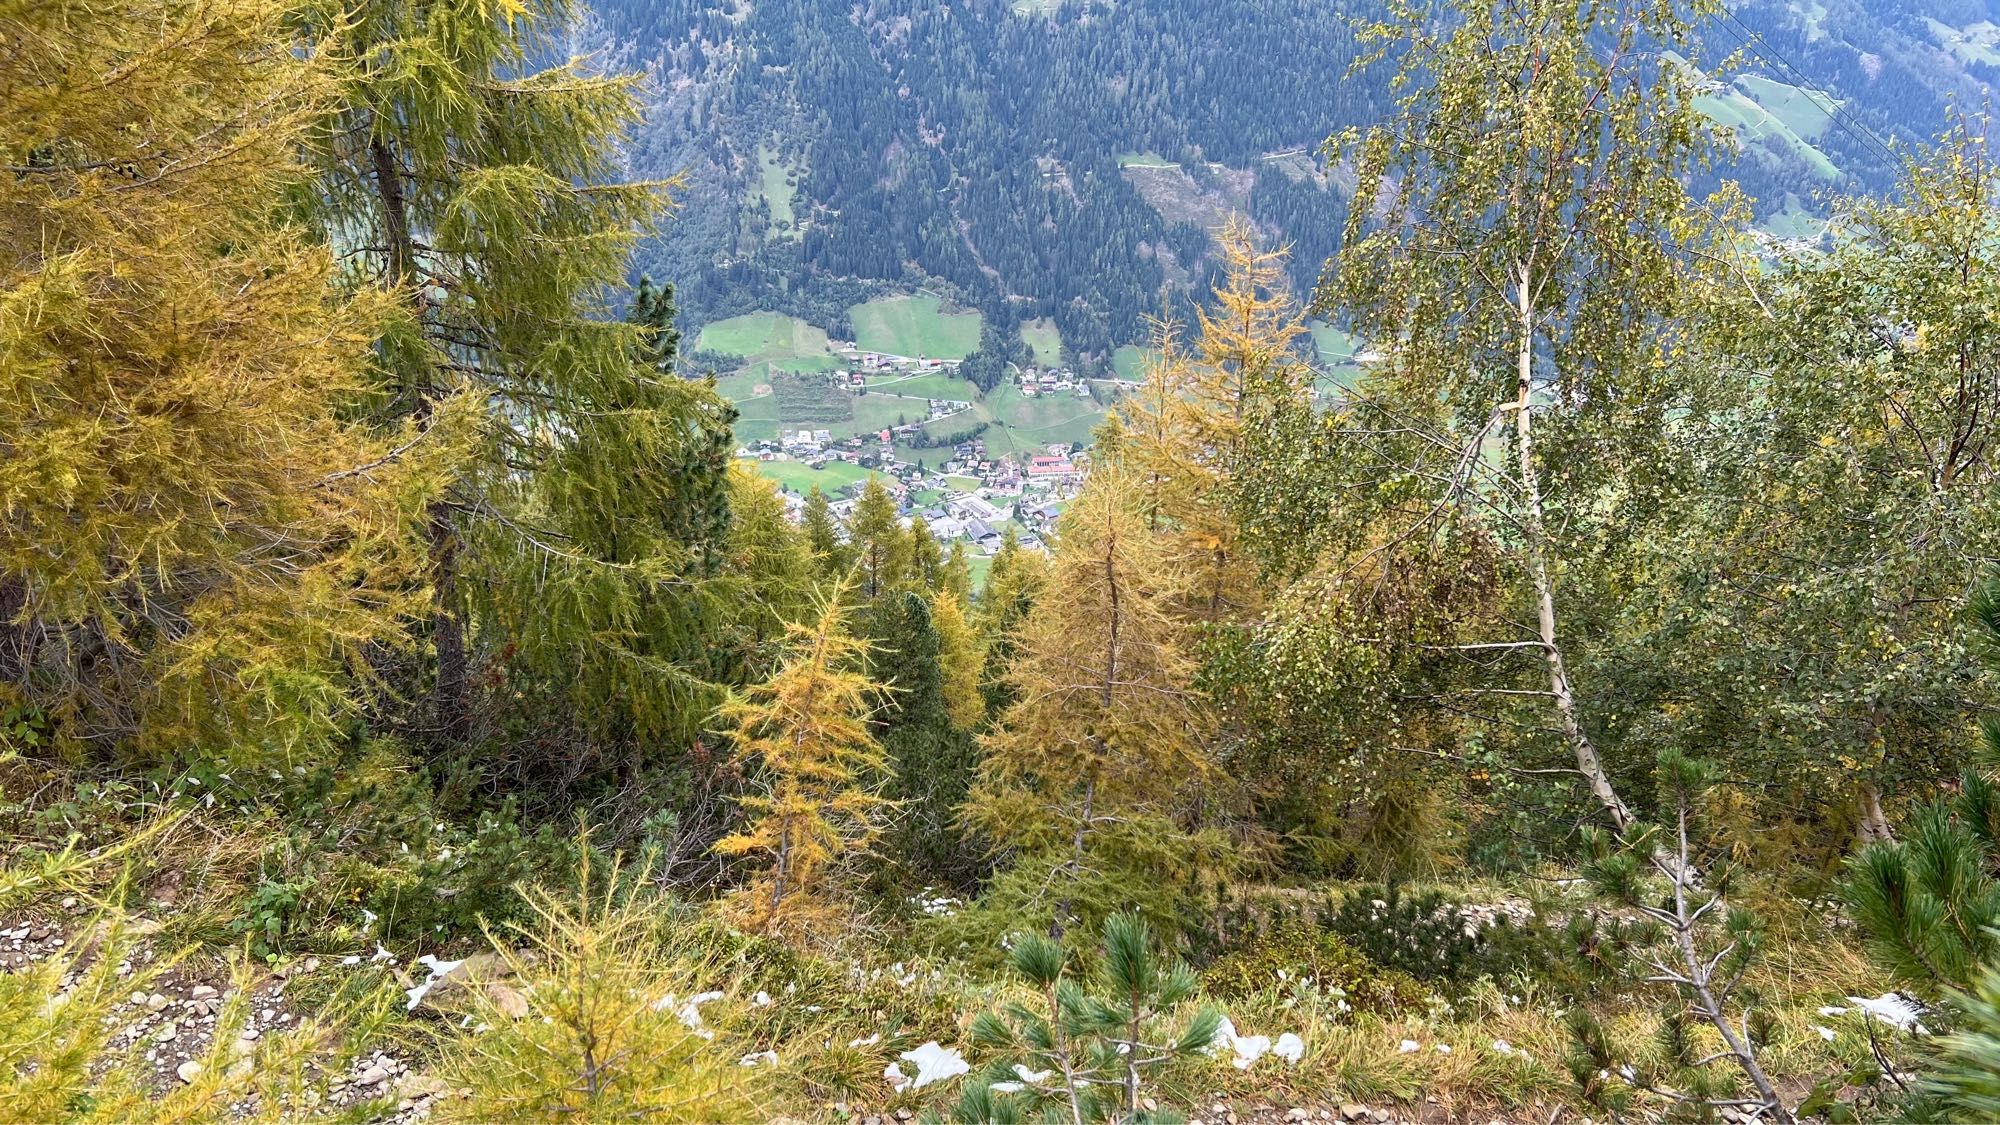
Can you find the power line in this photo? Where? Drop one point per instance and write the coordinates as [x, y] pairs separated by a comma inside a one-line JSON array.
[[1757, 45]]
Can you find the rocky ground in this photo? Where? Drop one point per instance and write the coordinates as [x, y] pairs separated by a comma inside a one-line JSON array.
[[172, 1021]]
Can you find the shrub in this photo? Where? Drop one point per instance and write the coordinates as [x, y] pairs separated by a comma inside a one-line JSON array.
[[1427, 935], [597, 1029], [59, 1061], [1088, 1051], [1299, 950]]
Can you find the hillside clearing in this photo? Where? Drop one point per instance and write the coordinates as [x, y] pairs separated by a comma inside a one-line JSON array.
[[916, 326]]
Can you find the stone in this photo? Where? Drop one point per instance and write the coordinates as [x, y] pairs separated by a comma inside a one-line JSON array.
[[202, 992], [249, 1034], [188, 1071], [372, 1076], [510, 1002], [155, 1002], [1297, 1113], [166, 1033], [422, 1086]]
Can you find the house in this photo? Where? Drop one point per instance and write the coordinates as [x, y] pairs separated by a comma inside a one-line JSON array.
[[1051, 469]]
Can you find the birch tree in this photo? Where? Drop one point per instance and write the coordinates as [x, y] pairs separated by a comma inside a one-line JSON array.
[[1518, 237]]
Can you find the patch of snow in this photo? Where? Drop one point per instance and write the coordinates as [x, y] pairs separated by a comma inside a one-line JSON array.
[[1894, 1009], [935, 1064]]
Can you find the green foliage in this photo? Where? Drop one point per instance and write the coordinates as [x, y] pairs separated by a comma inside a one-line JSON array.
[[931, 758], [1087, 1052], [1424, 935], [1928, 902]]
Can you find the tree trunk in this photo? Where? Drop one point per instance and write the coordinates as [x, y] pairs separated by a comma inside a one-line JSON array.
[[449, 695], [449, 702], [1874, 824], [1587, 761]]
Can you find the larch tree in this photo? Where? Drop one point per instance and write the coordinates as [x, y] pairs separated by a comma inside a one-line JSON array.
[[771, 576], [484, 194], [955, 577], [1183, 433], [196, 543], [926, 556], [803, 739], [962, 657], [878, 542], [830, 555], [1514, 247], [1085, 770]]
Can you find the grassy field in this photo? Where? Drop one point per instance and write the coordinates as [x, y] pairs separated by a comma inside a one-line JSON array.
[[934, 385], [800, 478], [1336, 354], [1022, 425], [1734, 109], [1043, 340], [772, 175], [763, 335], [1130, 361], [1975, 43], [757, 419], [806, 363], [914, 326], [1806, 113], [1793, 221]]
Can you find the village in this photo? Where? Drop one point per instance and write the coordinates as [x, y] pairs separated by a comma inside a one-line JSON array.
[[958, 487]]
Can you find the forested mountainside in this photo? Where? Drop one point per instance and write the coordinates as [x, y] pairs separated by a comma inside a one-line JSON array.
[[1068, 160]]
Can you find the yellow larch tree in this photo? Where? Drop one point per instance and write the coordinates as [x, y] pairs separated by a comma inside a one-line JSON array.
[[195, 544], [803, 737], [1085, 775], [1183, 431], [961, 658]]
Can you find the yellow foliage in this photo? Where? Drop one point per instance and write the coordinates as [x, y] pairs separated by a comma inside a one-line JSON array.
[[1105, 716], [1182, 432], [59, 1061], [196, 544], [594, 1027], [961, 658], [806, 731]]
